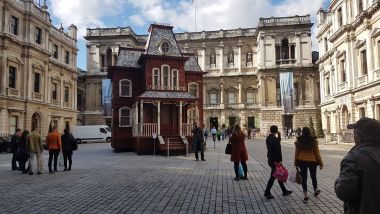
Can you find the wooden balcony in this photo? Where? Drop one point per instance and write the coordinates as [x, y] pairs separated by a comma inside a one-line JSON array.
[[145, 129]]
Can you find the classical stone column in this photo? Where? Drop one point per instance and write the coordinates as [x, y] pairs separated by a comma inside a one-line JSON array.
[[369, 54], [312, 90], [262, 51], [221, 93], [203, 56], [239, 58], [240, 91], [204, 93], [159, 117], [221, 52], [298, 48], [4, 72], [75, 89], [180, 118], [62, 93]]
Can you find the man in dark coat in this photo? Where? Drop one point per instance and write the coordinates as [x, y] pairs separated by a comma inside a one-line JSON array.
[[358, 182], [198, 143], [274, 156], [14, 147]]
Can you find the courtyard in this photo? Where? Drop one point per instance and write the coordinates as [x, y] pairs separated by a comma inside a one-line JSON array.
[[103, 181]]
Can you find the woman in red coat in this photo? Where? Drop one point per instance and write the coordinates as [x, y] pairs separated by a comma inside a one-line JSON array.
[[239, 152]]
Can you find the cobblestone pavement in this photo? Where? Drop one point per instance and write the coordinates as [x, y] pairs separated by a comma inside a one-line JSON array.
[[102, 181]]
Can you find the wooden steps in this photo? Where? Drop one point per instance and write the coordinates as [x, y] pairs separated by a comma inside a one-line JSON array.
[[176, 145]]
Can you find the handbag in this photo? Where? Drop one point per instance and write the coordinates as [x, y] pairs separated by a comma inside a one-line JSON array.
[[280, 173], [241, 171], [298, 177], [228, 148]]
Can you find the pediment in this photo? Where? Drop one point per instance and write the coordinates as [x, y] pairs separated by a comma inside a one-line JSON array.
[[359, 43], [375, 33]]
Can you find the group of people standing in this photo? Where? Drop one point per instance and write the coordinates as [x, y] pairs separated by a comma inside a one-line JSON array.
[[28, 146]]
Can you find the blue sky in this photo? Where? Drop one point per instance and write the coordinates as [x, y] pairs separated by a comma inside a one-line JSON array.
[[211, 14]]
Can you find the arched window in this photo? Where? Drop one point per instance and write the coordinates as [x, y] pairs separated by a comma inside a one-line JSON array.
[[285, 52], [125, 117], [174, 79], [125, 89], [156, 78], [193, 89], [165, 77], [285, 49]]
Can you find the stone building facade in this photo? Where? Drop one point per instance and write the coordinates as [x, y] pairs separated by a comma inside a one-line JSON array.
[[349, 64], [243, 66], [38, 69]]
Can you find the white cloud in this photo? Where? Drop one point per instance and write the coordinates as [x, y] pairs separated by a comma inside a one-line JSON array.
[[85, 13], [211, 14]]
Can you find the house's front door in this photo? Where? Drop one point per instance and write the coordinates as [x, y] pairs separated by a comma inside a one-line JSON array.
[[169, 120]]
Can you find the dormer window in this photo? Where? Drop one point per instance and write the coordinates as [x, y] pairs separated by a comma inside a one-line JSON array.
[[164, 48]]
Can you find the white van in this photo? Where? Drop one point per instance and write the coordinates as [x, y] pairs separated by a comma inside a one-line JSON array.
[[95, 133]]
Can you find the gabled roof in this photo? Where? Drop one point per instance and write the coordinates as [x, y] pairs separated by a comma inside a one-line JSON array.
[[158, 34], [192, 65], [128, 57]]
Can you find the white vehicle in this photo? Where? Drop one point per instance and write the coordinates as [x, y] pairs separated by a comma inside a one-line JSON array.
[[95, 133]]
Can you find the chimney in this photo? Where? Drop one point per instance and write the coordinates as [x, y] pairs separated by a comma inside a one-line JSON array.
[[73, 31]]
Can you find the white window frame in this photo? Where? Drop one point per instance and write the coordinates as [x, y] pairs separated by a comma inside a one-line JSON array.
[[168, 47], [174, 71], [130, 88], [156, 85], [130, 117], [251, 91], [193, 84]]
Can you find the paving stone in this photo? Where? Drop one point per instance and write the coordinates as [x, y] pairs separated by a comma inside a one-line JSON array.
[[102, 181]]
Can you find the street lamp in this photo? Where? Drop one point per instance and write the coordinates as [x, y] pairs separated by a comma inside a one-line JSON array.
[[154, 143]]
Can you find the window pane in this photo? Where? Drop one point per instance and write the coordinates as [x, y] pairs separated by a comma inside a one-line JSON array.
[[66, 94], [37, 77], [213, 98], [193, 90], [125, 88], [55, 51], [14, 25], [38, 35], [231, 97], [250, 97], [125, 117], [156, 77], [12, 77], [165, 76]]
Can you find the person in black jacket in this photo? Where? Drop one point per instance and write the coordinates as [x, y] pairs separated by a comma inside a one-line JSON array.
[[274, 156], [14, 147], [23, 154], [358, 182], [68, 145]]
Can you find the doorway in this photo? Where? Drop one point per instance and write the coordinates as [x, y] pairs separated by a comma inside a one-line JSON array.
[[251, 122], [231, 121], [213, 122], [288, 122]]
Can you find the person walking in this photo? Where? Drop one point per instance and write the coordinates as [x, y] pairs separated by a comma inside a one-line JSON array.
[[35, 148], [249, 132], [68, 146], [14, 147], [53, 143], [198, 143], [358, 183], [206, 134], [23, 154], [307, 156], [239, 153], [274, 156], [213, 133]]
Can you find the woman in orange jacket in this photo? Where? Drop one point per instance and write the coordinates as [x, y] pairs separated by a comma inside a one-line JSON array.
[[53, 143], [307, 157]]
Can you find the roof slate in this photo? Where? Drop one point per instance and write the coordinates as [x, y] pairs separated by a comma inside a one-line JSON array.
[[192, 65], [129, 58], [156, 36], [167, 95]]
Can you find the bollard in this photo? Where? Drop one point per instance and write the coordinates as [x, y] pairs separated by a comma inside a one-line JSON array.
[[168, 146]]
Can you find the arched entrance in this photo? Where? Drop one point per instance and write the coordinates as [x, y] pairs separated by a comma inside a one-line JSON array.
[[36, 121]]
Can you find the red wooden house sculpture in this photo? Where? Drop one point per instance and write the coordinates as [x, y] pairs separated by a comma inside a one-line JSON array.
[[156, 90]]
